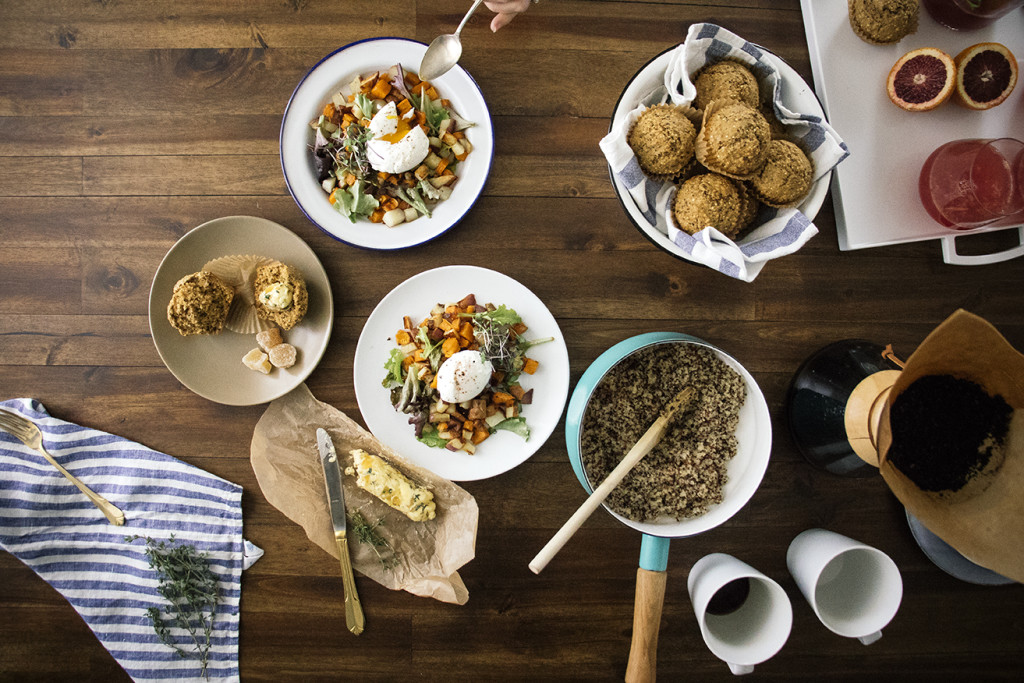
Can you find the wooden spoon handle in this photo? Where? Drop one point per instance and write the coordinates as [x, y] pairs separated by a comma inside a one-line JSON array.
[[572, 525], [643, 650], [642, 447]]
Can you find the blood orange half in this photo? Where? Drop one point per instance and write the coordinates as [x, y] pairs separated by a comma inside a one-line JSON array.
[[921, 80], [985, 75]]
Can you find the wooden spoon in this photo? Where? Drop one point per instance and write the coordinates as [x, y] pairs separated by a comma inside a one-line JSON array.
[[642, 447]]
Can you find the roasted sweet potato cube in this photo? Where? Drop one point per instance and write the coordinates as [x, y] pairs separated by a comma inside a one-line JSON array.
[[450, 347], [530, 366], [480, 433], [381, 88], [502, 398]]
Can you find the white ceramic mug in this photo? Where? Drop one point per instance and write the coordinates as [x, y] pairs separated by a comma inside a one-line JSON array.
[[756, 628], [854, 589]]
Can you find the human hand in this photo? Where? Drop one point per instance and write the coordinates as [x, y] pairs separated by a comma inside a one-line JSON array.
[[505, 11]]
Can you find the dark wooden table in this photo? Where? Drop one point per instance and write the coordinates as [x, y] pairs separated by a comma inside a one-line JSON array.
[[124, 124]]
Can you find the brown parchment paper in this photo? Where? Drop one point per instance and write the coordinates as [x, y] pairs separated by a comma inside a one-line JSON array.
[[285, 459], [984, 521]]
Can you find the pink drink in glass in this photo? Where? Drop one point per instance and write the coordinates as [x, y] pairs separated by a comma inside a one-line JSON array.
[[967, 15], [967, 184]]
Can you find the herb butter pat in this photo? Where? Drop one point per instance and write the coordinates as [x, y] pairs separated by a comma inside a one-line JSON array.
[[379, 478], [277, 296]]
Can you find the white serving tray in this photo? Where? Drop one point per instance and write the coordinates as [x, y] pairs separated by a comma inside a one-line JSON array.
[[875, 189]]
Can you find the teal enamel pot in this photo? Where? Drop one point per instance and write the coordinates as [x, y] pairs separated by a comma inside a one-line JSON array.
[[754, 437]]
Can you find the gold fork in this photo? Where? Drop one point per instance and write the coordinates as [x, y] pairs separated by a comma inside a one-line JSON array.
[[28, 433]]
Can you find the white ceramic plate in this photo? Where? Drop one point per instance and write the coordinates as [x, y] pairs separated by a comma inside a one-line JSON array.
[[211, 365], [797, 96], [328, 77], [414, 298]]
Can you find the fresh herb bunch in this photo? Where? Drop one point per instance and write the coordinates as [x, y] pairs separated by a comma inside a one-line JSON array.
[[190, 586], [367, 533]]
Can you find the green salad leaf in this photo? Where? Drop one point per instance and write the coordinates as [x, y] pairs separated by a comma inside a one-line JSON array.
[[516, 425], [502, 315], [412, 196], [352, 202], [430, 438], [431, 349], [365, 105], [394, 368], [434, 111]]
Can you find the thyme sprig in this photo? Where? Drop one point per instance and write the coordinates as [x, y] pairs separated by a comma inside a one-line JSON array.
[[367, 533], [190, 586]]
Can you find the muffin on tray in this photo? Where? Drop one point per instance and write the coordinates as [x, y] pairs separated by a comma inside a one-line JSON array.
[[733, 140], [662, 139], [726, 81], [712, 200], [199, 304], [281, 295], [786, 177], [882, 22]]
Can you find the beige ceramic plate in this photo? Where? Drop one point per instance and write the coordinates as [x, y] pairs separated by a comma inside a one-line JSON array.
[[211, 366]]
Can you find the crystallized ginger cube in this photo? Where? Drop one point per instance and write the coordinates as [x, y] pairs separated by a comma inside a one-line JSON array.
[[257, 360], [268, 339], [283, 355]]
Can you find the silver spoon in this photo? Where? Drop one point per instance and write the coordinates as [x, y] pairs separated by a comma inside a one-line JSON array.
[[444, 51]]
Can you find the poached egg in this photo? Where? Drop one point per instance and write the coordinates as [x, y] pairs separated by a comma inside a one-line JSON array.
[[397, 145], [463, 376]]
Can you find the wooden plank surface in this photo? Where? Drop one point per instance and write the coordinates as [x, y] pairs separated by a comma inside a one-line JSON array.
[[124, 124]]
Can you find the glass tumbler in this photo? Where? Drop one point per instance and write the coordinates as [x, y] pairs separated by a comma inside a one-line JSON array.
[[967, 15], [971, 183]]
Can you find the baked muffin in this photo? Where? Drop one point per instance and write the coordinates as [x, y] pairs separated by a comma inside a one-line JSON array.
[[710, 200], [785, 179], [281, 295], [883, 22], [733, 140], [726, 81], [662, 139], [199, 304]]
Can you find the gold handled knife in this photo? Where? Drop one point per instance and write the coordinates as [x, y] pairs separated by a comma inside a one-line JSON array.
[[336, 497]]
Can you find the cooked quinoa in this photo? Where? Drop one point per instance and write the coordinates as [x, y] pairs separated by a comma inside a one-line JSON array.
[[684, 474]]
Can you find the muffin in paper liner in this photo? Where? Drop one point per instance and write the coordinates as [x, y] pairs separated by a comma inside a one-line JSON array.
[[720, 140], [663, 141], [786, 177], [239, 271], [726, 80], [708, 199], [883, 22], [773, 232]]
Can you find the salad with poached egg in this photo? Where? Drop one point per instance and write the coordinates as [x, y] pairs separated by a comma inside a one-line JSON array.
[[456, 374], [388, 147]]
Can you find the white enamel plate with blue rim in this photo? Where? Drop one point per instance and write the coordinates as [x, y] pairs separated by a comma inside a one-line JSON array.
[[503, 450], [797, 95], [330, 76]]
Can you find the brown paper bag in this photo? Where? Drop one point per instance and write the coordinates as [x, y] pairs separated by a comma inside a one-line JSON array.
[[285, 459], [984, 521]]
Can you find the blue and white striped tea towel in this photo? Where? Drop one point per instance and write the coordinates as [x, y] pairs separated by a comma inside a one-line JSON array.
[[779, 232], [50, 526]]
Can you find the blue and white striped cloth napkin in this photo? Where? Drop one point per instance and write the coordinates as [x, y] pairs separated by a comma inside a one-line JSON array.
[[48, 524], [782, 231]]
